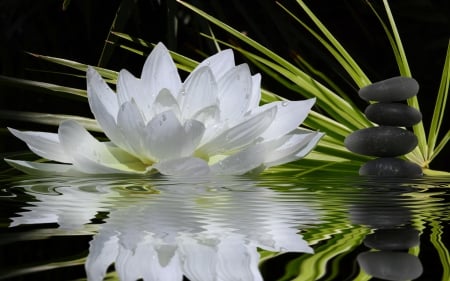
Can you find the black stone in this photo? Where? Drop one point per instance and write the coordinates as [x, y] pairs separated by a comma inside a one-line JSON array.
[[390, 265], [390, 167], [393, 114], [389, 90], [383, 141], [393, 239]]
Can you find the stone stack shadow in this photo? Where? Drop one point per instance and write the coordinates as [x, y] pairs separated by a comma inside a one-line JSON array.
[[388, 141]]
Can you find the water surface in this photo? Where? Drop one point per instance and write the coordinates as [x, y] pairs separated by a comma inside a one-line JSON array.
[[272, 227]]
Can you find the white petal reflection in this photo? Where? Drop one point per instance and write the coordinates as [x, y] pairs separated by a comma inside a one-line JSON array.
[[204, 229]]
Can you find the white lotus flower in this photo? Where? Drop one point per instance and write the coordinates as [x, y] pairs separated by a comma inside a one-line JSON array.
[[211, 122]]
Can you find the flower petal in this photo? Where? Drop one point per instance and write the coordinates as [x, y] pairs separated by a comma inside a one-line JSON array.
[[235, 92], [165, 101], [290, 115], [131, 124], [103, 251], [105, 117], [96, 86], [296, 147], [187, 166], [91, 156], [219, 63], [130, 87], [45, 145], [198, 258], [35, 168], [256, 91], [237, 260], [143, 263], [241, 162], [168, 139], [160, 72], [242, 134], [199, 91]]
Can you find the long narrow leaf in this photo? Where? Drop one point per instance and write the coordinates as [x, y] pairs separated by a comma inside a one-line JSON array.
[[49, 119], [439, 109], [405, 71], [44, 87], [338, 51], [106, 73]]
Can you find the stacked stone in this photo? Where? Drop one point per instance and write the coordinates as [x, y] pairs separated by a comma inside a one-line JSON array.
[[388, 141]]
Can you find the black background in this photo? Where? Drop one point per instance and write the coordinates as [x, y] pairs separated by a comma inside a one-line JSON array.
[[79, 33]]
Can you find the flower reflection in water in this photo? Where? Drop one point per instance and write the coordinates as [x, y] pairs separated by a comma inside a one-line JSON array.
[[171, 228]]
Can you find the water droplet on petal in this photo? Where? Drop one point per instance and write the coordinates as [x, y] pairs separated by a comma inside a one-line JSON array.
[[284, 103]]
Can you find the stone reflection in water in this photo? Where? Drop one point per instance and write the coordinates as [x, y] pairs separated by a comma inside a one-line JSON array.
[[207, 231], [385, 210]]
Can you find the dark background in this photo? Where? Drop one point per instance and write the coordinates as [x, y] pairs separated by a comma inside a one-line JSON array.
[[79, 33]]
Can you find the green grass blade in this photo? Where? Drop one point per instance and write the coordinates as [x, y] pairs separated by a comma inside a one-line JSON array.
[[183, 62], [439, 109], [121, 18], [44, 87], [49, 119], [405, 71], [257, 46], [106, 73], [336, 49], [440, 146]]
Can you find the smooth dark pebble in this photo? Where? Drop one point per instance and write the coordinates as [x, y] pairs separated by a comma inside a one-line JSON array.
[[393, 114], [390, 167], [393, 89], [393, 239], [390, 265], [383, 141]]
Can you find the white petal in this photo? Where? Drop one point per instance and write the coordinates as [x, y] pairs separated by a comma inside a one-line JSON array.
[[256, 91], [130, 87], [131, 124], [235, 92], [241, 162], [219, 63], [165, 101], [91, 156], [168, 139], [43, 144], [144, 262], [296, 147], [242, 134], [105, 118], [237, 260], [34, 168], [208, 116], [96, 86], [188, 166], [198, 259], [290, 115], [160, 72], [103, 251], [199, 92], [131, 264]]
